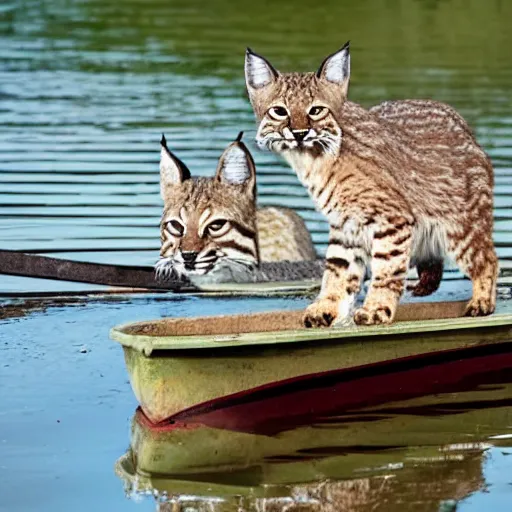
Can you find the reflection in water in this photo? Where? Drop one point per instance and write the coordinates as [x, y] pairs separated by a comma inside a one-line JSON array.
[[453, 482], [427, 452], [19, 308], [425, 482]]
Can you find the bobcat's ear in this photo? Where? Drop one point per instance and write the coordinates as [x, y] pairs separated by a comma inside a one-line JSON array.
[[236, 166], [172, 170], [336, 68], [259, 74]]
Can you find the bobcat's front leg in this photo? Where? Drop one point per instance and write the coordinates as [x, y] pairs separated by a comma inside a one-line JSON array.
[[391, 252], [345, 266]]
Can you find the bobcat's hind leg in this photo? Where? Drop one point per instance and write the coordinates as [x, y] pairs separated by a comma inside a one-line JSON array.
[[430, 275], [477, 258]]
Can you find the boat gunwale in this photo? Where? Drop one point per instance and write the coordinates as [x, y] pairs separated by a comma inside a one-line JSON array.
[[147, 344]]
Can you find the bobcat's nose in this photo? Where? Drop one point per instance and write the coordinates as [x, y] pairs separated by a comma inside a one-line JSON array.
[[300, 134], [189, 258]]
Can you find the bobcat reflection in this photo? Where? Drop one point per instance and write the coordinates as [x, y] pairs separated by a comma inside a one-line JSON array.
[[425, 485]]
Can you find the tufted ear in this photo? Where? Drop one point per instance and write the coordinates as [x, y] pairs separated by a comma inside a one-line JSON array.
[[172, 170], [258, 71], [236, 166], [336, 68]]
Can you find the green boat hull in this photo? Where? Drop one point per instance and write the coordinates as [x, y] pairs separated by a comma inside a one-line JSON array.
[[172, 373]]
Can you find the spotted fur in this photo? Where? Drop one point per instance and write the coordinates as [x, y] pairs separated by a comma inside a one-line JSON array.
[[404, 183], [212, 225]]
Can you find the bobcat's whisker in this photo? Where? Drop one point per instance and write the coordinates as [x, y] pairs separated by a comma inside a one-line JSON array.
[[243, 263], [202, 265], [207, 259]]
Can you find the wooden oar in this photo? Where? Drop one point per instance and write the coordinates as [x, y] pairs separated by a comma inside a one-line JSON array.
[[44, 267]]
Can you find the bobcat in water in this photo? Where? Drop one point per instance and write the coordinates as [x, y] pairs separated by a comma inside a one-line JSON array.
[[213, 225], [402, 184]]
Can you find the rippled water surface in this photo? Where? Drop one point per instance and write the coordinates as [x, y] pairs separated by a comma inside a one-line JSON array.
[[86, 89]]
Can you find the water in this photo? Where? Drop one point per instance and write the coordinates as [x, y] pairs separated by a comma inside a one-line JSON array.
[[86, 89], [67, 411]]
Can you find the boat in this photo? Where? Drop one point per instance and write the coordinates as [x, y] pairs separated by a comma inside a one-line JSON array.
[[180, 367]]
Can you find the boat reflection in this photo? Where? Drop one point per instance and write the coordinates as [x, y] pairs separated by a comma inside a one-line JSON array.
[[429, 451]]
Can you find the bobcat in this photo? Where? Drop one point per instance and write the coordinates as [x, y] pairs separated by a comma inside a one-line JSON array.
[[212, 225], [404, 183]]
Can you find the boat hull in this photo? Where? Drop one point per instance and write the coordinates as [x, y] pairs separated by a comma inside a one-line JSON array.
[[173, 375]]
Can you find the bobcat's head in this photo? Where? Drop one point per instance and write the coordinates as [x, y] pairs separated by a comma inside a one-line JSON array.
[[297, 111], [208, 222]]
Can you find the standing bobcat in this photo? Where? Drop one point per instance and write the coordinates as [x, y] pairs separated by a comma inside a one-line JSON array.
[[213, 225], [403, 184]]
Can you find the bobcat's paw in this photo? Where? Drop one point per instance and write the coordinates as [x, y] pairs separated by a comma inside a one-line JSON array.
[[373, 316], [479, 307], [321, 313]]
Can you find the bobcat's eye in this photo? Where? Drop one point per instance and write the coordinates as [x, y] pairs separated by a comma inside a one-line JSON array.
[[317, 112], [278, 113], [217, 227], [175, 227]]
